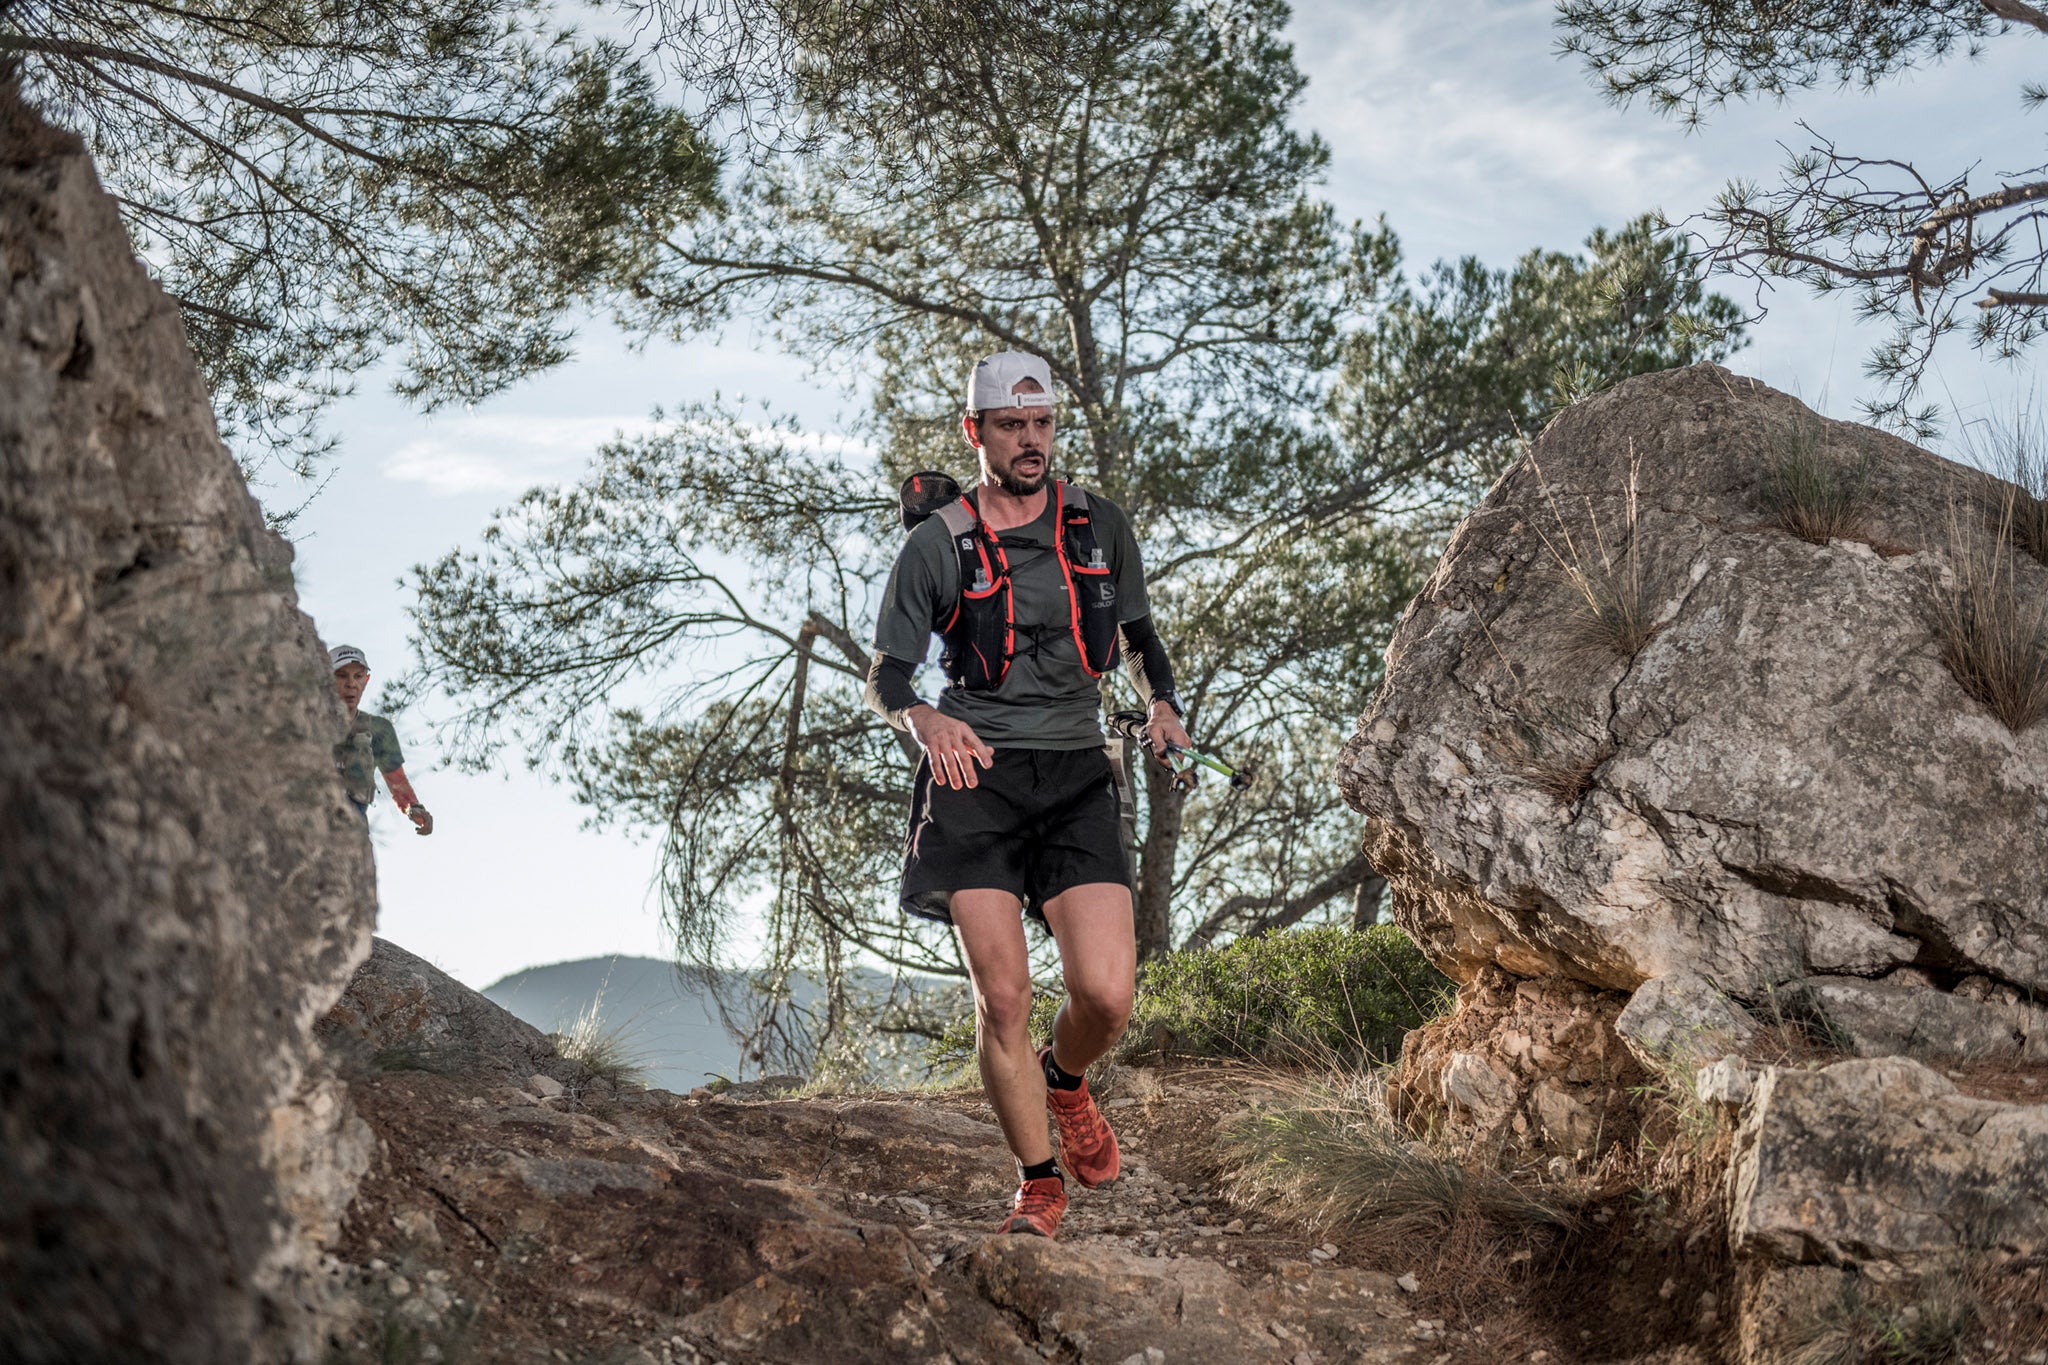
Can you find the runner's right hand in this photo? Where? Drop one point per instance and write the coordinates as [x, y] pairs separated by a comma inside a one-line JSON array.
[[950, 744]]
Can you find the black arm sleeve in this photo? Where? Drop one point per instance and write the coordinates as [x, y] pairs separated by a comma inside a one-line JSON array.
[[1145, 660], [889, 693]]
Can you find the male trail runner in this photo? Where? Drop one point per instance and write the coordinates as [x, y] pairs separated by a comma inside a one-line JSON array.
[[371, 744], [1032, 584]]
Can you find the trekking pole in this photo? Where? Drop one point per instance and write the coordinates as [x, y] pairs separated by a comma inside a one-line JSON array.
[[1132, 725]]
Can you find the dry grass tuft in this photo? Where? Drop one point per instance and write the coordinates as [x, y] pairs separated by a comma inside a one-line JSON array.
[[1617, 597], [1558, 763], [1931, 1320], [1992, 627], [1334, 1158], [1814, 495], [2017, 452], [607, 1053]]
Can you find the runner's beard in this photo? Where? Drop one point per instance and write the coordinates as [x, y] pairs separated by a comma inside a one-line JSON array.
[[1017, 486]]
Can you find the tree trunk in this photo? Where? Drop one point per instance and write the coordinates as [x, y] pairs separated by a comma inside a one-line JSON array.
[[1366, 901], [1155, 862]]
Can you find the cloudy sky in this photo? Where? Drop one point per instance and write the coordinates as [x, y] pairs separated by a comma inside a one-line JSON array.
[[1455, 121]]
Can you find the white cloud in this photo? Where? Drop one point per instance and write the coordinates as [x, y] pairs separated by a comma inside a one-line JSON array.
[[1470, 134], [502, 452], [1463, 124]]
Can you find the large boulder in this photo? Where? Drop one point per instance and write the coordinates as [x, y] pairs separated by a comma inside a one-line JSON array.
[[1781, 790], [401, 1010], [185, 887], [1884, 1160]]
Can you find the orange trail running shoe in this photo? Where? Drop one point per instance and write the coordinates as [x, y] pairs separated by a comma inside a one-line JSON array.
[[1087, 1147], [1039, 1206]]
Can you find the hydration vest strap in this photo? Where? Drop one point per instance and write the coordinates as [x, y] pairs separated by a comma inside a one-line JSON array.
[[979, 555], [1074, 535]]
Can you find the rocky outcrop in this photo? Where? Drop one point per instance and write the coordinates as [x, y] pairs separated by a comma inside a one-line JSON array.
[[1884, 1160], [1535, 1063], [1778, 792], [1639, 741], [185, 888], [402, 1011]]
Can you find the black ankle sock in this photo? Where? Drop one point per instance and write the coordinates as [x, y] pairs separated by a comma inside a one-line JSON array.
[[1048, 1169], [1058, 1078]]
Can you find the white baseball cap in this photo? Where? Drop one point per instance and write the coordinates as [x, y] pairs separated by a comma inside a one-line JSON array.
[[345, 654], [991, 382]]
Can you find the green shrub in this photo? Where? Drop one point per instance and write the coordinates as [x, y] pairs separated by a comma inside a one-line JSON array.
[[1323, 994], [1320, 995]]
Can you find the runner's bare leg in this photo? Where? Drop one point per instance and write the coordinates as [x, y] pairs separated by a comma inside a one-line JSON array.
[[990, 927], [1093, 924]]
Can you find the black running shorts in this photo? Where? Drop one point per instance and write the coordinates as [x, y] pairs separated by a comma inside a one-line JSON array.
[[1041, 822]]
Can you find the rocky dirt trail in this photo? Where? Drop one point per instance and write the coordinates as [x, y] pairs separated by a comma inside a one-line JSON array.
[[498, 1223], [519, 1209]]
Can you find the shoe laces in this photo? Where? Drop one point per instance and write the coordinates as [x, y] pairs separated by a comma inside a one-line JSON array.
[[1079, 1119], [1040, 1196]]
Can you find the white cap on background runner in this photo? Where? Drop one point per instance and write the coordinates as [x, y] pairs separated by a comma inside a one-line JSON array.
[[345, 654], [990, 383]]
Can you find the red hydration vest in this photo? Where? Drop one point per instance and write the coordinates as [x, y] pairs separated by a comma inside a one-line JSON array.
[[980, 638]]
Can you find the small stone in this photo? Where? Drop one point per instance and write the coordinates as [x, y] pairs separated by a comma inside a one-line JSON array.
[[547, 1087], [1409, 1284], [1233, 1227], [1667, 1289], [399, 1286], [1328, 1249]]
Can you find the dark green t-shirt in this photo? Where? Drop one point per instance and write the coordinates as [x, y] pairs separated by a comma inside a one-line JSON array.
[[1047, 700]]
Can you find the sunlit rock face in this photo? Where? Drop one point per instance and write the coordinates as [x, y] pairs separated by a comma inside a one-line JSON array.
[[185, 887], [1782, 792]]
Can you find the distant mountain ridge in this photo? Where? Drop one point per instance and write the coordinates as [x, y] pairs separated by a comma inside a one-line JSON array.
[[663, 1013], [667, 1022]]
